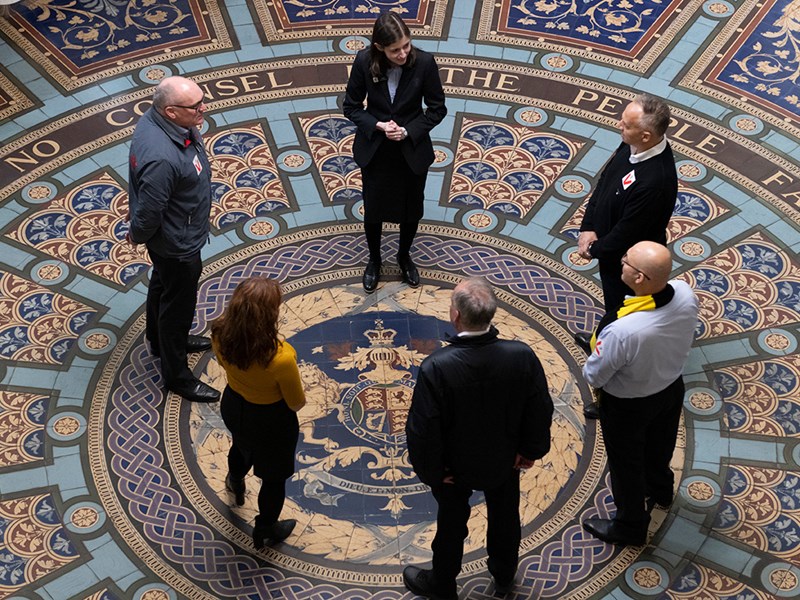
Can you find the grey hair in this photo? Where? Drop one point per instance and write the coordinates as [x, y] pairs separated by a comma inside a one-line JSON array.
[[475, 301], [655, 114]]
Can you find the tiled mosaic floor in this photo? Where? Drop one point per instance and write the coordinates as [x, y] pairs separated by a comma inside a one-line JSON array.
[[110, 490]]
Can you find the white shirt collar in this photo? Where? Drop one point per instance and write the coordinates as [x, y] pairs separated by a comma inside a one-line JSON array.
[[474, 333], [654, 151]]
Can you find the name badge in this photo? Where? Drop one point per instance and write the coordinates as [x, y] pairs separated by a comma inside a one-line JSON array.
[[198, 166], [628, 180]]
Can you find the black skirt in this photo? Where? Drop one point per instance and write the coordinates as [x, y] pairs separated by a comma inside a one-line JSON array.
[[391, 190], [266, 432]]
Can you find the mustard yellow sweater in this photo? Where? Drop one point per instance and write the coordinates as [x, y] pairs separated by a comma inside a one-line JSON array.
[[279, 380]]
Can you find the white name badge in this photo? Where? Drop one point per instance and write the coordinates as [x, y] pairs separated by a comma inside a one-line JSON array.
[[198, 166], [628, 180]]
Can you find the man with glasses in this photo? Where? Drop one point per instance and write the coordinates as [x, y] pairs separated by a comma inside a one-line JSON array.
[[169, 198], [639, 352], [632, 202]]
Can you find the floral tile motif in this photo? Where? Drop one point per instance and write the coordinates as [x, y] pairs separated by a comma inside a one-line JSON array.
[[33, 542], [22, 420], [761, 508], [693, 209], [628, 33], [760, 58], [245, 181], [330, 140], [86, 228], [85, 42], [697, 581], [37, 324], [294, 19], [506, 168], [762, 397], [748, 286]]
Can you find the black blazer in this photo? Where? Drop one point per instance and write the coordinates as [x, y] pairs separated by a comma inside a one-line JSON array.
[[416, 83]]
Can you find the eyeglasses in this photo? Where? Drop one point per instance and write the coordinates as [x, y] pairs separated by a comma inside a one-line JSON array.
[[195, 107], [624, 261]]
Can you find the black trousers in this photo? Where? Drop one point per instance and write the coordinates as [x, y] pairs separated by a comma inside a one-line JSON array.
[[264, 438], [171, 301], [640, 436], [614, 290], [502, 538]]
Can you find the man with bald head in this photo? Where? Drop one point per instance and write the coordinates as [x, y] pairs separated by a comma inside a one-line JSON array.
[[637, 360], [169, 198]]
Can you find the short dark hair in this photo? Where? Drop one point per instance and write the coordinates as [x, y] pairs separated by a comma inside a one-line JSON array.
[[475, 302], [655, 114], [389, 28]]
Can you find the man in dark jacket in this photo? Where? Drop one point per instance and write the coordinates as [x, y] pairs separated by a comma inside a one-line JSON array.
[[481, 411], [170, 202], [632, 202]]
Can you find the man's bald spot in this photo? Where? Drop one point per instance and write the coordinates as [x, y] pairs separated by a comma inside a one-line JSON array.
[[653, 259], [175, 90]]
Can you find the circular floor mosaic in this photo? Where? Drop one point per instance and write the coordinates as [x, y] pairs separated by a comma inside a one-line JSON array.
[[362, 513]]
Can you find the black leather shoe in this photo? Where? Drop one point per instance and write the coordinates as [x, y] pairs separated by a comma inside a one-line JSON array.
[[652, 502], [613, 532], [196, 391], [237, 488], [420, 582], [277, 532], [592, 411], [372, 275], [408, 271], [584, 341], [197, 343]]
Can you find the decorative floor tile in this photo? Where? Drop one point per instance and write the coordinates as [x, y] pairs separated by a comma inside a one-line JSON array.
[[696, 580], [22, 419], [761, 398], [33, 542], [81, 43], [37, 324], [86, 228]]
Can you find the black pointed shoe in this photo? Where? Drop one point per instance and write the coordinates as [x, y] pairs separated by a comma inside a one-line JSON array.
[[584, 341], [197, 343], [592, 411], [195, 391], [372, 275], [614, 532], [277, 532], [420, 582], [408, 271], [237, 488]]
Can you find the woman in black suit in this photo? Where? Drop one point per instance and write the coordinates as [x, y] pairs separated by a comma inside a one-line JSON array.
[[393, 145]]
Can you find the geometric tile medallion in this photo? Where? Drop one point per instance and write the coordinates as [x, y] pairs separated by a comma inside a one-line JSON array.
[[762, 397], [245, 181], [33, 542], [78, 43], [86, 228], [698, 581], [753, 63], [22, 419], [355, 496], [749, 286], [506, 168], [308, 19], [37, 324], [330, 140], [761, 508], [631, 35]]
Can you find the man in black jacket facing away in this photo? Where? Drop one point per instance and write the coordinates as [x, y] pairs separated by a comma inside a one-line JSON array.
[[481, 411]]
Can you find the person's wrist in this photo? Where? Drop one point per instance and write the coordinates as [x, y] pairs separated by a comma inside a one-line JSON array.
[[405, 133]]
